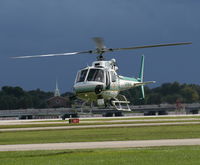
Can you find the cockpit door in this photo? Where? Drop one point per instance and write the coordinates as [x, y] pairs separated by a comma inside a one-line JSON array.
[[107, 80], [114, 82]]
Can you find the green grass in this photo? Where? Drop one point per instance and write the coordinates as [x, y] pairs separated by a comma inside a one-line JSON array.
[[34, 125], [184, 155], [95, 123], [142, 118], [101, 134], [131, 118]]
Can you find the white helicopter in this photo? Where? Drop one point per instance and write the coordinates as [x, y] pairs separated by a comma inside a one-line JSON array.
[[100, 82]]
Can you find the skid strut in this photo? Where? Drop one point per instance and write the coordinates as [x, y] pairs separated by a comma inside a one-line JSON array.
[[121, 103]]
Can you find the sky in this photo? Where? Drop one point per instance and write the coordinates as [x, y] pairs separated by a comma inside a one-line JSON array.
[[33, 27]]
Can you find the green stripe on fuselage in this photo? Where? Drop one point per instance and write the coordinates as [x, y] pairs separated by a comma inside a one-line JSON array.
[[92, 89], [128, 78], [85, 89]]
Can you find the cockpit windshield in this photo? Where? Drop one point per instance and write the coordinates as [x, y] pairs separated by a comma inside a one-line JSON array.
[[96, 75], [81, 75]]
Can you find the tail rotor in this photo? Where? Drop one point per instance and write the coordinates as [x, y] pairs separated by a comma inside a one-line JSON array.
[[141, 76]]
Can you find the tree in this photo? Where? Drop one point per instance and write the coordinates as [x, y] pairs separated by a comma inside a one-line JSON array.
[[154, 98], [189, 94], [15, 91]]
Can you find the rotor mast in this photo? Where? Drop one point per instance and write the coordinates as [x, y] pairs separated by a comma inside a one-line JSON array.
[[100, 48]]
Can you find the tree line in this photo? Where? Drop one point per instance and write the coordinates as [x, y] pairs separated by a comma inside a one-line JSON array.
[[17, 98], [166, 93]]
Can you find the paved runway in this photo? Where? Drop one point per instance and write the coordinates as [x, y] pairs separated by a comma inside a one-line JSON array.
[[105, 144], [95, 126]]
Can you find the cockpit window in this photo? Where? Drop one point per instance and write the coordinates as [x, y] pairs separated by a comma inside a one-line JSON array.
[[96, 75], [81, 75]]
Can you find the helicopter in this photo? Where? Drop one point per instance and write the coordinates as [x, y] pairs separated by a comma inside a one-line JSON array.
[[101, 82]]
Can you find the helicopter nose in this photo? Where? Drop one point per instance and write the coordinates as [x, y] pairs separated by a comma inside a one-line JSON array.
[[88, 87], [98, 89]]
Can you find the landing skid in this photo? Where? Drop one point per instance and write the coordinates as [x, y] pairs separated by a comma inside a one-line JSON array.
[[84, 107], [121, 103]]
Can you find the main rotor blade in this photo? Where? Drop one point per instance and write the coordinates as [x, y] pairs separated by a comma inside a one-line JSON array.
[[151, 46], [99, 42], [52, 55], [102, 49]]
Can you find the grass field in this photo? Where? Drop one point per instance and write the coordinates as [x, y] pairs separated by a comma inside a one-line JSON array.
[[52, 124], [130, 118], [140, 156], [182, 155], [142, 118], [101, 134]]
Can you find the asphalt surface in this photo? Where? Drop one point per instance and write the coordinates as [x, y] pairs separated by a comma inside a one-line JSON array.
[[105, 144]]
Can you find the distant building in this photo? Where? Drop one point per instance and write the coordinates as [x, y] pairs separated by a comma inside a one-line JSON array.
[[57, 91], [58, 101]]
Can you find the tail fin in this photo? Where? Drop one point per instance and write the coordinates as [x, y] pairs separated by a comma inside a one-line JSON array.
[[141, 76]]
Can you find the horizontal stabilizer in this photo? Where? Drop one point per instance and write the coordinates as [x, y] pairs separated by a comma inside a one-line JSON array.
[[144, 83]]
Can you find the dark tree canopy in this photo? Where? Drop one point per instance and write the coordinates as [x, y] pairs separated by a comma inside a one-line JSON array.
[[166, 93], [16, 98]]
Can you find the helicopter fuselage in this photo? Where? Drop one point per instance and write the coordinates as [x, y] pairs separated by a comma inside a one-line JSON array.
[[101, 82]]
